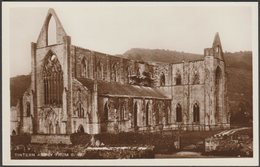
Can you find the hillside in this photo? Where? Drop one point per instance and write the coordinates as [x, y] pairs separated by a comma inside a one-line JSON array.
[[18, 86], [160, 55]]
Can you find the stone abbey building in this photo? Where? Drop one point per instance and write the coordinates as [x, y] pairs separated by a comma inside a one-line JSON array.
[[75, 89]]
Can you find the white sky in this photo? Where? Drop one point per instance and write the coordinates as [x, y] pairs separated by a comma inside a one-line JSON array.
[[114, 28]]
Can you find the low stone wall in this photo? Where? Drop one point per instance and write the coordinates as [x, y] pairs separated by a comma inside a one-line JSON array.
[[51, 139]]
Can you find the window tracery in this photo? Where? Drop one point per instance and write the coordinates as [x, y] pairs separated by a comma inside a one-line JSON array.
[[52, 80]]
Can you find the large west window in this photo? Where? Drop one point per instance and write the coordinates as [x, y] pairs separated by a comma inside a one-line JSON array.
[[52, 80]]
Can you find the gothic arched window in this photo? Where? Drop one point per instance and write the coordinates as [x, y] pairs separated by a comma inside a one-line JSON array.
[[83, 67], [147, 114], [128, 73], [178, 79], [51, 40], [162, 79], [99, 71], [105, 113], [57, 127], [156, 113], [166, 114], [52, 80], [196, 77], [80, 110], [114, 72], [218, 80], [178, 113], [122, 111], [196, 113], [28, 109], [80, 129], [13, 133], [135, 114]]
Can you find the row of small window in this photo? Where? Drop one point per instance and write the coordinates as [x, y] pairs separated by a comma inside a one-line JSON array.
[[196, 113], [179, 115], [178, 79], [122, 109]]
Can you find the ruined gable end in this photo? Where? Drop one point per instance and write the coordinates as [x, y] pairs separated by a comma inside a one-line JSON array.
[[60, 32]]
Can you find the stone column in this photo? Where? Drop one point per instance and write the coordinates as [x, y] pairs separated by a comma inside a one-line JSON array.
[[33, 88]]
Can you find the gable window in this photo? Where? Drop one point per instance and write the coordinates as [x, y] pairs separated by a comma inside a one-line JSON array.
[[52, 80], [52, 31]]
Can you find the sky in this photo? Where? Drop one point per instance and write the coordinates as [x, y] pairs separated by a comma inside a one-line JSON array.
[[115, 28]]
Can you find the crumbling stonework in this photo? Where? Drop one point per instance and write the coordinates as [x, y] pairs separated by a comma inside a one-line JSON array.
[[103, 93]]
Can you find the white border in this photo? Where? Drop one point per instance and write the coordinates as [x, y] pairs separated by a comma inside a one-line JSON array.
[[162, 162]]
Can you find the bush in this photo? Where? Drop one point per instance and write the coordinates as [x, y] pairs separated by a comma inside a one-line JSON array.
[[162, 143], [23, 139], [118, 153], [80, 138]]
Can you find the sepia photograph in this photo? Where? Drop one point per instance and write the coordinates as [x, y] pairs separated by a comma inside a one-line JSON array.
[[136, 83]]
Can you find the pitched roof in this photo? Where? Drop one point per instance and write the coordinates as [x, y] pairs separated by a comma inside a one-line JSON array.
[[123, 90]]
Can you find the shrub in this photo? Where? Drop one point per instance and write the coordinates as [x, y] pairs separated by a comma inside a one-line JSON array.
[[80, 138], [23, 139], [119, 153], [161, 142]]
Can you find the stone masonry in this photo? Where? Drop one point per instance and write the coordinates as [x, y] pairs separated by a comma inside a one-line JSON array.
[[79, 90]]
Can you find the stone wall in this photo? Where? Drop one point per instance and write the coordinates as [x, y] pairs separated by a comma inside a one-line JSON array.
[[139, 113], [14, 120], [27, 113], [187, 93], [100, 66], [82, 107], [40, 51]]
